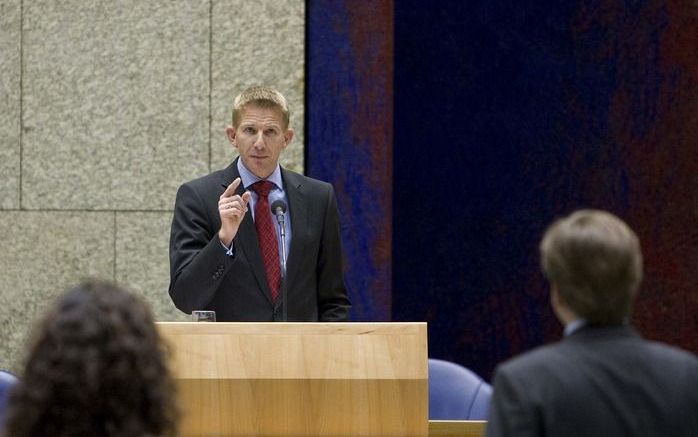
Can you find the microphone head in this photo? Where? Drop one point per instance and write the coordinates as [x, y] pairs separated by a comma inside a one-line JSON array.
[[278, 207]]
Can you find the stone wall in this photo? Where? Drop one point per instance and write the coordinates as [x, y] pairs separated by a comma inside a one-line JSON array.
[[106, 107]]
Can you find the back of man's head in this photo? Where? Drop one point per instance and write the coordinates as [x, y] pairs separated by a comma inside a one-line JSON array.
[[594, 260]]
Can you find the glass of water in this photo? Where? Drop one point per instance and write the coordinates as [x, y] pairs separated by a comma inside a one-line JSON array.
[[203, 316]]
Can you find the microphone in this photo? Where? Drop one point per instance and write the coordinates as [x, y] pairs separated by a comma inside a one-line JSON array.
[[278, 208]]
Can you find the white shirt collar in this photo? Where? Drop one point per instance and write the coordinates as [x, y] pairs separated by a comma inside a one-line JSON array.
[[573, 326]]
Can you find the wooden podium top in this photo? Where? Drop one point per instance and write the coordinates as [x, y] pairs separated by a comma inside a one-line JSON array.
[[301, 379]]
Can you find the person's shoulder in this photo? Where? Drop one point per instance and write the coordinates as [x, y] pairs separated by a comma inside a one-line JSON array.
[[534, 370], [671, 353], [298, 180], [550, 356]]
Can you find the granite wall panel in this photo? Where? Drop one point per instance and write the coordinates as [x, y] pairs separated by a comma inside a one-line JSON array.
[[116, 102], [10, 107], [105, 109], [43, 253], [142, 262], [256, 43]]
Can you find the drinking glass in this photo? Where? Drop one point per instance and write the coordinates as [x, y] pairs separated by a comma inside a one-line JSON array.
[[203, 316]]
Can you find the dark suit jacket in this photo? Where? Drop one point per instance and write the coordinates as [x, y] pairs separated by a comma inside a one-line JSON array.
[[203, 277], [598, 382]]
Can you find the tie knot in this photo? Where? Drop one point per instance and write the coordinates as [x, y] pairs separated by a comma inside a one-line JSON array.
[[262, 188]]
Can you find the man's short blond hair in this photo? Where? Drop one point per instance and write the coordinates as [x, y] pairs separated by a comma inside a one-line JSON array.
[[595, 261], [264, 97]]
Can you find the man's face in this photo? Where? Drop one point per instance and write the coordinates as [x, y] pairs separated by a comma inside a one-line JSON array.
[[260, 137]]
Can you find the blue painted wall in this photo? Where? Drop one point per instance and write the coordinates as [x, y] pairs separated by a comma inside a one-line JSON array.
[[349, 139], [507, 115]]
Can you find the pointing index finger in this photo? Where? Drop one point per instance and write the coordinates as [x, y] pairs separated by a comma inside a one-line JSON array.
[[230, 191]]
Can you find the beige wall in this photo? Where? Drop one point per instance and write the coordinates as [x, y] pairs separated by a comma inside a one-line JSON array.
[[105, 108]]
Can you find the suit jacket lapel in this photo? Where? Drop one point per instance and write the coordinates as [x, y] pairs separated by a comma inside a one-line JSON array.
[[299, 223], [246, 240]]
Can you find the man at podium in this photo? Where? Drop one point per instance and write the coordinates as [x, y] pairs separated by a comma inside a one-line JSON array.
[[237, 230]]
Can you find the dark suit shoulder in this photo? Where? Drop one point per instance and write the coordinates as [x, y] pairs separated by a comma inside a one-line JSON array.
[[583, 349], [663, 351], [548, 356], [299, 180]]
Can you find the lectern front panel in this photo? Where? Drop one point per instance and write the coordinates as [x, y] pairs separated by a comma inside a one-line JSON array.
[[301, 379]]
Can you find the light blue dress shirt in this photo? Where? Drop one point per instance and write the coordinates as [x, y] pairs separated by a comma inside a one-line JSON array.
[[248, 178]]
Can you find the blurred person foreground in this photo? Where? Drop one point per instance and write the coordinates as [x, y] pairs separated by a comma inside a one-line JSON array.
[[95, 367]]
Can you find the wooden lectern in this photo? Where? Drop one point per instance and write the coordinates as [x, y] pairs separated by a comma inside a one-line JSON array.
[[300, 379]]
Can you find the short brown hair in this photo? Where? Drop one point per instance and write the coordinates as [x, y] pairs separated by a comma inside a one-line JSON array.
[[264, 97], [595, 261]]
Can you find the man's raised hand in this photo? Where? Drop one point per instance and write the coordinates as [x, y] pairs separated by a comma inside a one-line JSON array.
[[231, 209]]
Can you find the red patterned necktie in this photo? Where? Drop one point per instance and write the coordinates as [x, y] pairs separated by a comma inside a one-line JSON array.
[[266, 234]]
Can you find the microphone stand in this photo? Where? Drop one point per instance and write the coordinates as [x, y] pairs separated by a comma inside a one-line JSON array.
[[278, 208], [282, 226]]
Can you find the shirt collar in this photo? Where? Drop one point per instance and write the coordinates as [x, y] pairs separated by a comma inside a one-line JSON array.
[[248, 178], [573, 326]]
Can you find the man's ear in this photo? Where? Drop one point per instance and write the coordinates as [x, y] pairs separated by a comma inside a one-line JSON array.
[[554, 296], [288, 136], [560, 308], [230, 133]]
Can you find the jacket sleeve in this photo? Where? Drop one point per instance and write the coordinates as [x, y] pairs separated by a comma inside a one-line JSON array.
[[198, 261], [333, 299], [511, 412]]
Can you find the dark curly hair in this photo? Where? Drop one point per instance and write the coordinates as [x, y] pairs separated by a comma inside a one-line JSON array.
[[96, 367]]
